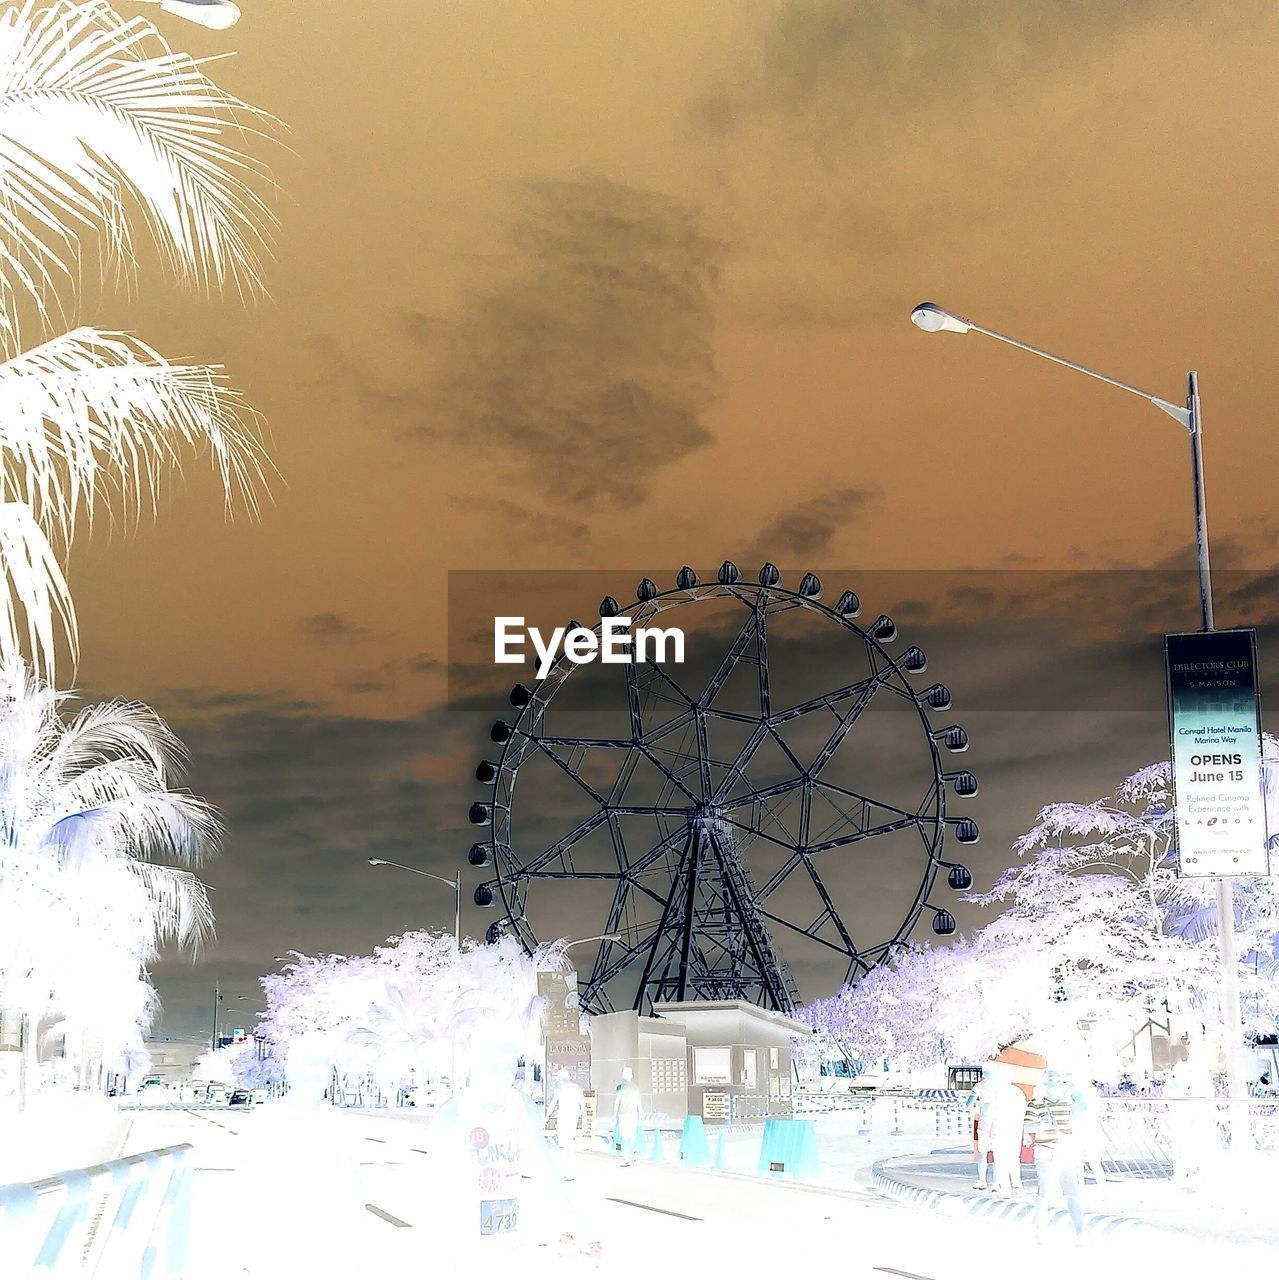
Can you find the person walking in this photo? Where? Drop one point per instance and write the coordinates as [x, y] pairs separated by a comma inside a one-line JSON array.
[[566, 1108], [626, 1116], [983, 1126], [1006, 1108], [1051, 1118]]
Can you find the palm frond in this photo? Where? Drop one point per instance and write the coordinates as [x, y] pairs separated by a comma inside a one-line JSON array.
[[179, 905], [97, 416], [96, 112], [35, 592]]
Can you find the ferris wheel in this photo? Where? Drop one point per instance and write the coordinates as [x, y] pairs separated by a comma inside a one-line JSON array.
[[773, 808]]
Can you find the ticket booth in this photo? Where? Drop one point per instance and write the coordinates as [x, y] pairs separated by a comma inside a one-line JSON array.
[[738, 1059]]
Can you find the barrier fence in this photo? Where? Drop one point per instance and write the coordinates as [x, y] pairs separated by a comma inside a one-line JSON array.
[[124, 1218], [1176, 1137]]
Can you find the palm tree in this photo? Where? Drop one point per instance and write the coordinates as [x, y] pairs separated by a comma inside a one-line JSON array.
[[103, 125], [97, 846]]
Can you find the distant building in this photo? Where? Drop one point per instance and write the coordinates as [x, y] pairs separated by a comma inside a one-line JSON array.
[[174, 1060]]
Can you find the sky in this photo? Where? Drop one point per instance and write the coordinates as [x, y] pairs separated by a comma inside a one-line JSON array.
[[585, 293]]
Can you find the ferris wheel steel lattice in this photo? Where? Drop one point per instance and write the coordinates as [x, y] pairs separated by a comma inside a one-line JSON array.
[[717, 823]]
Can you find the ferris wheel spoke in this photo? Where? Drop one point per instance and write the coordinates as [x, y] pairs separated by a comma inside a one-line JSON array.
[[764, 793], [828, 789], [812, 937], [563, 844], [572, 773], [736, 769], [868, 833], [761, 654], [634, 704], [674, 781], [759, 833], [850, 718], [729, 662], [824, 700], [828, 903]]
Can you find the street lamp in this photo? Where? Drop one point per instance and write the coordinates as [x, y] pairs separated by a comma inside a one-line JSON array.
[[217, 15], [599, 937], [931, 318], [455, 884]]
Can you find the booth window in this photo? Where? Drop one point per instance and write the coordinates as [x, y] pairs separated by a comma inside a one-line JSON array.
[[712, 1064], [750, 1064]]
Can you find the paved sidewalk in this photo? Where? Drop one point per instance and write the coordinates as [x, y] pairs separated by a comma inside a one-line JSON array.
[[942, 1181]]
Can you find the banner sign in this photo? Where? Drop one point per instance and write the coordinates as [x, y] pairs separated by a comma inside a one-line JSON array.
[[1214, 714], [568, 1047]]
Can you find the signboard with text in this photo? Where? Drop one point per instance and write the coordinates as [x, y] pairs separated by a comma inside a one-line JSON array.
[[568, 1047], [1214, 715]]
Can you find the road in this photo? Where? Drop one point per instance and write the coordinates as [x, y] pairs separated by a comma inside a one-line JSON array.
[[311, 1196]]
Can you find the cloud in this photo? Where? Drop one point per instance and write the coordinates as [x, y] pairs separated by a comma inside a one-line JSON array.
[[386, 675], [522, 525], [588, 367], [806, 529], [850, 70], [333, 628]]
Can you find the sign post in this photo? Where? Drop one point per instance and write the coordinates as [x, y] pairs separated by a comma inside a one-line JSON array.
[[1214, 714]]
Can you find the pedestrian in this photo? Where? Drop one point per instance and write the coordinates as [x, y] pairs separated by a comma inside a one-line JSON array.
[[1087, 1103], [1051, 1118], [983, 1127], [626, 1116], [1007, 1108], [566, 1108]]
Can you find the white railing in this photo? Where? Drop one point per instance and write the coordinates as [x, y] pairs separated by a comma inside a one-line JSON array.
[[1173, 1137], [126, 1218]]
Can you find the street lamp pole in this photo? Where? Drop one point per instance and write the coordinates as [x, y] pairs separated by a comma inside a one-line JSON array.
[[931, 318], [455, 884]]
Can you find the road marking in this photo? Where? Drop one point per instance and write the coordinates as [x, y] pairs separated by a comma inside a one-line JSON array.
[[909, 1275], [235, 1133], [420, 1151], [652, 1208], [381, 1140], [386, 1217]]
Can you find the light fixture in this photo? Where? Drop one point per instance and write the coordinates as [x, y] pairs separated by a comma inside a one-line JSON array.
[[931, 318], [216, 15]]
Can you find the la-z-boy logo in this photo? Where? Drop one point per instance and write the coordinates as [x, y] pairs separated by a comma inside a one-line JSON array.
[[615, 643]]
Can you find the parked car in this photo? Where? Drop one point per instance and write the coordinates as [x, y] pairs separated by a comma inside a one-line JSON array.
[[258, 1096], [240, 1098], [153, 1084]]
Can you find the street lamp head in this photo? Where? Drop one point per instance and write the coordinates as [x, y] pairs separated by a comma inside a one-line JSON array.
[[931, 318], [216, 15], [377, 862]]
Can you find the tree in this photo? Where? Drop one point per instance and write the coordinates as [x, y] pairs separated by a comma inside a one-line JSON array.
[[409, 1007], [1096, 929], [103, 125], [97, 850]]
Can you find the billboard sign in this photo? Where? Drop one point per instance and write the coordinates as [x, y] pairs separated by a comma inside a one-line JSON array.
[[568, 1045], [1214, 714]]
